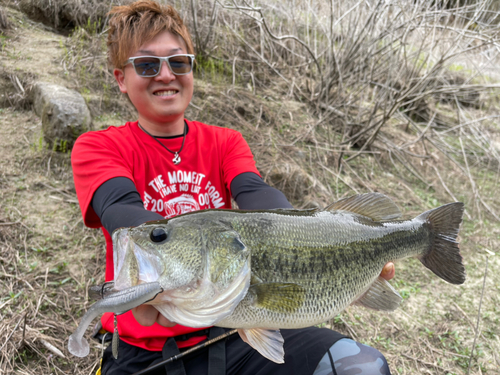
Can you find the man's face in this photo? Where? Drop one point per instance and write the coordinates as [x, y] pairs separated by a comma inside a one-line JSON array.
[[160, 100]]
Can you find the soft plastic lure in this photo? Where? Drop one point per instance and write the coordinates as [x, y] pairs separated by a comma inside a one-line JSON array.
[[117, 303]]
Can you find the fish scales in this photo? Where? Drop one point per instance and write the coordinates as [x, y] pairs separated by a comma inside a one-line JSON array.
[[334, 256]]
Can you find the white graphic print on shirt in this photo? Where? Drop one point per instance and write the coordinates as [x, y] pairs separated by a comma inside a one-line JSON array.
[[197, 193]]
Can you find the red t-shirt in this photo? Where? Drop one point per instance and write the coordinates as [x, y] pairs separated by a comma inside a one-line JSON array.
[[211, 157]]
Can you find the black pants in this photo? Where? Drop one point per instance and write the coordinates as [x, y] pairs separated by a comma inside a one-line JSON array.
[[304, 348]]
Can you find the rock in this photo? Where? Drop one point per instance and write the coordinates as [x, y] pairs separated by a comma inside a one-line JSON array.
[[64, 114]]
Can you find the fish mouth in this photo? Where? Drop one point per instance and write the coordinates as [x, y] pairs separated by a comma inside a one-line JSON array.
[[133, 264], [120, 246], [204, 304]]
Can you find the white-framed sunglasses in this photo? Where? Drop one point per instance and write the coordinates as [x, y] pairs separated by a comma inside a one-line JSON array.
[[150, 66]]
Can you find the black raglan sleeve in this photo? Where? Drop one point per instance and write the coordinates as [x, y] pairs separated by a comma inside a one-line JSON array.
[[118, 204], [252, 193]]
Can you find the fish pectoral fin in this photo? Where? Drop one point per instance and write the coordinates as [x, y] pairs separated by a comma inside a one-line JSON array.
[[267, 342], [380, 296], [376, 206], [278, 297]]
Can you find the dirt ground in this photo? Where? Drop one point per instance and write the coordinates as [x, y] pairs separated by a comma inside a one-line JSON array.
[[48, 258]]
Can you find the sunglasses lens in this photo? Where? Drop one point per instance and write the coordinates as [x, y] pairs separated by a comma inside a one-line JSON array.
[[180, 64], [147, 66]]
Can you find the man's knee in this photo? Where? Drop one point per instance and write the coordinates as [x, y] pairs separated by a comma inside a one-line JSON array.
[[348, 357]]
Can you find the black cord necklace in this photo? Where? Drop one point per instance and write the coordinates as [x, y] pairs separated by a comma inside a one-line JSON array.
[[177, 159]]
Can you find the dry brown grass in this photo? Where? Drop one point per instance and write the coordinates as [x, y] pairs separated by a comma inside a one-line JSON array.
[[41, 238], [66, 15], [434, 149], [4, 22]]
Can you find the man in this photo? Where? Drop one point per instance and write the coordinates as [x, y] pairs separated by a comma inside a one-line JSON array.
[[163, 165]]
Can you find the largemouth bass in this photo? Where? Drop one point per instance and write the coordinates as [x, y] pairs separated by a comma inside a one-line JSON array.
[[259, 271]]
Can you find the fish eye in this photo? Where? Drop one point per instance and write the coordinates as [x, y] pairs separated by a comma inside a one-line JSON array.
[[158, 235]]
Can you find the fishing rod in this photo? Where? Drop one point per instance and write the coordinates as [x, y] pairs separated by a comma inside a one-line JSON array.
[[193, 349]]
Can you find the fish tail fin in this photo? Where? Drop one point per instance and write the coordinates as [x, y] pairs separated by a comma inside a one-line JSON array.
[[443, 257]]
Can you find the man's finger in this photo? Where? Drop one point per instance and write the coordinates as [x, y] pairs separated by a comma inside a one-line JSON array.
[[388, 271], [164, 321], [145, 315]]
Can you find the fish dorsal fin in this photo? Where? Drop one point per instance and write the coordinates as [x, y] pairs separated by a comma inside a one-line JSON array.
[[267, 342], [277, 297], [380, 296], [376, 206]]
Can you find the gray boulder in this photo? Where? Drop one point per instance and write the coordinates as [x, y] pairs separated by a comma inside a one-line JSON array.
[[64, 114]]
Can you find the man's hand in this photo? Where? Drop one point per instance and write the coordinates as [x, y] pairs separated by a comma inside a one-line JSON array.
[[147, 315], [388, 271]]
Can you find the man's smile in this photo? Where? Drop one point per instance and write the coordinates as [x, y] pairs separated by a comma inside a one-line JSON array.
[[165, 92]]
